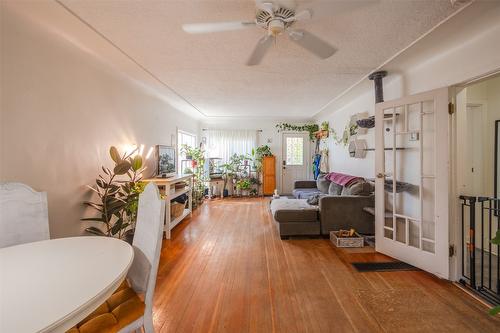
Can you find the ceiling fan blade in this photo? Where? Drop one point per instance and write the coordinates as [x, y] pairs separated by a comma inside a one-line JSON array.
[[300, 16], [313, 44], [267, 7], [260, 50], [201, 28]]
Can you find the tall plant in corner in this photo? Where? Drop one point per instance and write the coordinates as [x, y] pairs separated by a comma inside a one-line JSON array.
[[118, 192]]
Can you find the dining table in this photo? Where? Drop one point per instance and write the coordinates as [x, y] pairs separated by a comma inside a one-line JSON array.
[[51, 285]]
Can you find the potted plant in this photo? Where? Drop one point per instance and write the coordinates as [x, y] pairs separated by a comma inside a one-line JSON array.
[[243, 185], [259, 154], [227, 174], [199, 177], [118, 192]]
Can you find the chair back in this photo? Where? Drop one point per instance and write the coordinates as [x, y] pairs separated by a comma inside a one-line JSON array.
[[23, 215], [147, 244]]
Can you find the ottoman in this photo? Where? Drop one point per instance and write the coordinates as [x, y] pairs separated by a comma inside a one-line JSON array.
[[295, 217]]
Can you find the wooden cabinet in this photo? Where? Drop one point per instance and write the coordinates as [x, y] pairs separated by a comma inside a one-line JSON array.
[[268, 175]]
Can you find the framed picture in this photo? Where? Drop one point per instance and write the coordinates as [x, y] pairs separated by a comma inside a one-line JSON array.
[[167, 161]]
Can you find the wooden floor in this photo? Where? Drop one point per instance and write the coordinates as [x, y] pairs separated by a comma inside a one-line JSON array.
[[226, 270]]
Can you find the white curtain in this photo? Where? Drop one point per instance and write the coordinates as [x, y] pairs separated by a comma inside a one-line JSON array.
[[225, 143]]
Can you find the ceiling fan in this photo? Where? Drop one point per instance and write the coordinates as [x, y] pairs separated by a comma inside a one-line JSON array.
[[276, 20]]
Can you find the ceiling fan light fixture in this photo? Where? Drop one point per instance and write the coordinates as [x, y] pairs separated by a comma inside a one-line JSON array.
[[276, 27]]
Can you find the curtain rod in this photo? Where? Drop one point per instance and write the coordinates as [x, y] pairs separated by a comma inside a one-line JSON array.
[[206, 129]]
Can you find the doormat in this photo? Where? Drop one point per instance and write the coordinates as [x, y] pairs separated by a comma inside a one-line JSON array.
[[391, 266]]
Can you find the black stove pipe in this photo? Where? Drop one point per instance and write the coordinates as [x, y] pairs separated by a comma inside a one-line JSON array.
[[379, 88]]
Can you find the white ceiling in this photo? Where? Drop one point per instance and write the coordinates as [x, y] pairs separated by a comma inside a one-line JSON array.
[[209, 70]]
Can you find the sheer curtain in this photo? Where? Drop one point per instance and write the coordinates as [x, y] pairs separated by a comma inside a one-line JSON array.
[[225, 143]]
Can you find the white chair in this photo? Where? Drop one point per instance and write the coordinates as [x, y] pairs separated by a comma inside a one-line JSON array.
[[124, 311], [23, 215], [147, 247]]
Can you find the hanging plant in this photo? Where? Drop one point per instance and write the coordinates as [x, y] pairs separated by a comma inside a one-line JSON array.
[[311, 128], [350, 130]]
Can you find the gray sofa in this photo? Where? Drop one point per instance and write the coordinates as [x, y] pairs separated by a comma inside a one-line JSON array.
[[337, 208]]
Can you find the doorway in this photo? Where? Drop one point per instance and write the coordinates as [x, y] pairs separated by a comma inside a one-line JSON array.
[[295, 160], [476, 199]]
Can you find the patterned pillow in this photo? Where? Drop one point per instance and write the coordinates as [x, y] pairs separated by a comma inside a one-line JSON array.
[[334, 189], [360, 187]]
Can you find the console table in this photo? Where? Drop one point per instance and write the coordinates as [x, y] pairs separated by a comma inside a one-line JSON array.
[[168, 190]]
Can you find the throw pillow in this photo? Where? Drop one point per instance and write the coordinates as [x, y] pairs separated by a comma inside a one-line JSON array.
[[360, 187], [334, 189], [322, 184]]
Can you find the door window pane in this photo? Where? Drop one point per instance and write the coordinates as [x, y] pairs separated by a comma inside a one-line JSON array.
[[294, 151]]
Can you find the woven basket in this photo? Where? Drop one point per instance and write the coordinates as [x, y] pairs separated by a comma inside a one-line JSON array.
[[357, 241], [176, 210]]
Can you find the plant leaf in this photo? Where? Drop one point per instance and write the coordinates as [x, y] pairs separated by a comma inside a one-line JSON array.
[[496, 239], [495, 310], [137, 162], [115, 156], [93, 205], [95, 231], [117, 226], [122, 168], [96, 219]]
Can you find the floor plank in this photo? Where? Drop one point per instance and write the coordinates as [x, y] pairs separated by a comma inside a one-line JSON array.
[[227, 270]]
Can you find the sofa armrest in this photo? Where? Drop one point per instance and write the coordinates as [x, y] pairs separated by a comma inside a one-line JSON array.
[[345, 212], [304, 184]]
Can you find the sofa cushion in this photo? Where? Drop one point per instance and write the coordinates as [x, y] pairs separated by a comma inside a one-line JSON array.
[[293, 210], [335, 189], [360, 187], [304, 193], [322, 184]]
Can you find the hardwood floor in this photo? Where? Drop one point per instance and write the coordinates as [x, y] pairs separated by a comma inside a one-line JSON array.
[[226, 270]]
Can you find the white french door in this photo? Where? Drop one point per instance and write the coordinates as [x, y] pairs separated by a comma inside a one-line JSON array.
[[295, 160], [412, 175]]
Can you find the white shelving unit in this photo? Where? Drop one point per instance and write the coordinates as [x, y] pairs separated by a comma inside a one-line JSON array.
[[167, 186]]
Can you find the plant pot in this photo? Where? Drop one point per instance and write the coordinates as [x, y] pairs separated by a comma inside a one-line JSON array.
[[244, 193], [225, 193]]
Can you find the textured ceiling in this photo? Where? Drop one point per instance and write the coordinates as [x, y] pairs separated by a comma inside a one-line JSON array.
[[209, 70]]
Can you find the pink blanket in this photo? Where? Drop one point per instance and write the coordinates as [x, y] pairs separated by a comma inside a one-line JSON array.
[[341, 179]]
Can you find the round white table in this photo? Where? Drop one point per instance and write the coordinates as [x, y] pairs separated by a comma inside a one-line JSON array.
[[49, 286]]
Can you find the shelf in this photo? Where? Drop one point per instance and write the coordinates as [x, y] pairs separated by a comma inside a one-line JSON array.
[[177, 193], [177, 220]]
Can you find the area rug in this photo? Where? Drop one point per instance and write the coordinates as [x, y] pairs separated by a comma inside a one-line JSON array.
[[390, 266]]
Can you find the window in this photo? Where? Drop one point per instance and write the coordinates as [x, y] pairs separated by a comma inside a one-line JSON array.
[[224, 143], [294, 151], [184, 138]]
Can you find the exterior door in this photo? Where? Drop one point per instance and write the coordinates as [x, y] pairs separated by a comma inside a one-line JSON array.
[[295, 160], [412, 170]]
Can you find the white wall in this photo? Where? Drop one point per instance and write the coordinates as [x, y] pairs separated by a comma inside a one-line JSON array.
[[465, 47], [61, 109]]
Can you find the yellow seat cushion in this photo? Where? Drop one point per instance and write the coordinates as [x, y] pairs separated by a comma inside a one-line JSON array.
[[121, 309]]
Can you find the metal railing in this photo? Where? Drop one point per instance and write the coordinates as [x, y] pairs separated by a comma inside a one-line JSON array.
[[480, 258]]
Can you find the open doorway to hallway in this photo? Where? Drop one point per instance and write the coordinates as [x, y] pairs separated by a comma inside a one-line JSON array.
[[477, 176]]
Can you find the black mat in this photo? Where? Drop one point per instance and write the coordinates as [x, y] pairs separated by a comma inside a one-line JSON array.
[[383, 266]]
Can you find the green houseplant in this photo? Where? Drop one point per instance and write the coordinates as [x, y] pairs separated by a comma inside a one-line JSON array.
[[309, 127], [118, 192], [258, 154], [243, 185], [197, 166]]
